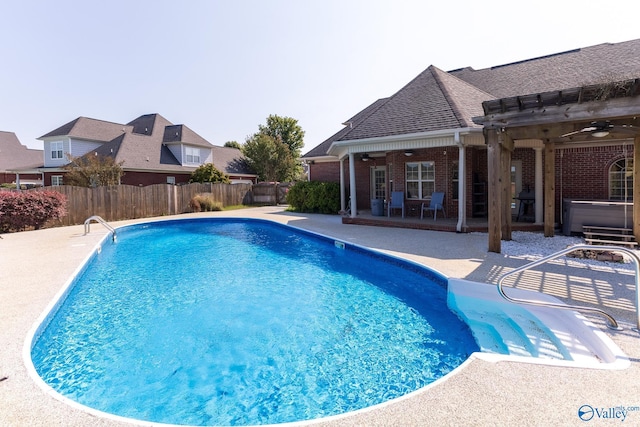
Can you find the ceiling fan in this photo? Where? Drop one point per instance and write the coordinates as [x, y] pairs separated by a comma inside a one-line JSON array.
[[602, 129]]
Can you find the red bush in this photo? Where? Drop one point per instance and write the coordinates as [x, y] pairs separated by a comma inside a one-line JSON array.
[[23, 210]]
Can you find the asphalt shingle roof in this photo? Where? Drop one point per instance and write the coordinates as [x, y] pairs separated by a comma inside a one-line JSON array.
[[437, 100], [321, 150], [90, 129], [432, 101], [576, 68], [146, 148], [230, 160], [14, 155], [142, 144]]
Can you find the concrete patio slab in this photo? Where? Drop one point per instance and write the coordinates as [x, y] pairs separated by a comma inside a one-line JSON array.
[[34, 266]]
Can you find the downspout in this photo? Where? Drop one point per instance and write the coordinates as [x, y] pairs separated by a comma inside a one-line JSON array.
[[462, 194]]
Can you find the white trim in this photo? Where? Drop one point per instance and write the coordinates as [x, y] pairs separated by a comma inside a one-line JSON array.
[[320, 159], [412, 141]]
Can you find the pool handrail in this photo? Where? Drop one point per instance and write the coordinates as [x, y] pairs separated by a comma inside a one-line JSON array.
[[98, 219], [612, 323]]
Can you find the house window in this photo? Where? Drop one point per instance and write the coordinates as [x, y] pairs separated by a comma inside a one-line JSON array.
[[420, 179], [621, 180], [56, 150], [171, 180], [192, 155], [56, 180]]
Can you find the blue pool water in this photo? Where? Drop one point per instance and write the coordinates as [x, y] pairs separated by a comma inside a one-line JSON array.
[[245, 322]]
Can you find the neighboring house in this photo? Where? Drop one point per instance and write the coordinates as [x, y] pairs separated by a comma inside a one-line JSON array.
[[423, 138], [152, 150], [15, 156]]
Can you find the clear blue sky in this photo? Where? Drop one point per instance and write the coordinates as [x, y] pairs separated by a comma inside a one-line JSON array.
[[221, 67]]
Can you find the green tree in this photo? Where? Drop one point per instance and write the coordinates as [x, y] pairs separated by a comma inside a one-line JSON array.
[[209, 173], [233, 144], [274, 152], [287, 130], [92, 171], [270, 158]]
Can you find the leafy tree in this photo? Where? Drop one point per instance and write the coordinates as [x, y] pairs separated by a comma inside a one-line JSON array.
[[92, 171], [287, 130], [273, 153], [209, 173], [270, 158], [233, 144]]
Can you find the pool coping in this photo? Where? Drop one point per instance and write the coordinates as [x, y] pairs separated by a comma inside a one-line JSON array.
[[479, 392]]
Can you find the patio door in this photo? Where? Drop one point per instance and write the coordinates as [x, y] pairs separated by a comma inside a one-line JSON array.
[[378, 183]]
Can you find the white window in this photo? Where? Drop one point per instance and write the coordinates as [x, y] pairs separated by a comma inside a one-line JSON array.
[[192, 155], [56, 180], [420, 180], [171, 180], [621, 180], [56, 150]]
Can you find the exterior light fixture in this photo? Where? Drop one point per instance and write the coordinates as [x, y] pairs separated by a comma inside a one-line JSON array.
[[365, 157], [408, 153], [600, 133]]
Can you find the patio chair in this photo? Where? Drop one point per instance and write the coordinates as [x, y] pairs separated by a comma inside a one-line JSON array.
[[435, 205], [397, 202]]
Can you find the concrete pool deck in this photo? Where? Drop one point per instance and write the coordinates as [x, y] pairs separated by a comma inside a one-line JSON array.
[[35, 265]]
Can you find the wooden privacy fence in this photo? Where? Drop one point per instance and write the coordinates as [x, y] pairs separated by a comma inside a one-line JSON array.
[[119, 202], [270, 193]]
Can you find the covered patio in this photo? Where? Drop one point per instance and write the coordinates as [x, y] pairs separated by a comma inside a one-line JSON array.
[[413, 221], [594, 115]]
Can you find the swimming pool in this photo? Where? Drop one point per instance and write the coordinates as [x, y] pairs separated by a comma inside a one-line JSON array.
[[240, 322]]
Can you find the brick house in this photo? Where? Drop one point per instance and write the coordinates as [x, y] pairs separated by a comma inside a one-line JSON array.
[[423, 138], [15, 156], [152, 149]]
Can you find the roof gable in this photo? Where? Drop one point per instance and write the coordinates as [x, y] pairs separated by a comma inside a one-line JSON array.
[[430, 102], [437, 100], [464, 99], [323, 148], [14, 155], [182, 134], [89, 129]]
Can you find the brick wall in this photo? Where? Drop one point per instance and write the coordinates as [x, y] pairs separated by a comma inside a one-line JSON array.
[[580, 172]]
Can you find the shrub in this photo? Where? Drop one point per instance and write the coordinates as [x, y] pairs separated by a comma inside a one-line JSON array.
[[23, 210], [314, 197], [203, 203], [209, 173]]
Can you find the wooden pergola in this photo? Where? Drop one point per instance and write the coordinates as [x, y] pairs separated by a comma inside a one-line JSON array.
[[549, 117]]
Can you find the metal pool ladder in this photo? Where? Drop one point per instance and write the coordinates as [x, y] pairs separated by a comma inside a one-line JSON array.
[[96, 218], [612, 324]]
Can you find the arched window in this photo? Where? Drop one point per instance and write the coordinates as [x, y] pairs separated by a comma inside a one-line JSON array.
[[621, 180]]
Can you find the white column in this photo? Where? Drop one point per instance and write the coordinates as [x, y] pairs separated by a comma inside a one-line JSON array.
[[17, 181], [539, 202], [352, 185], [343, 204]]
